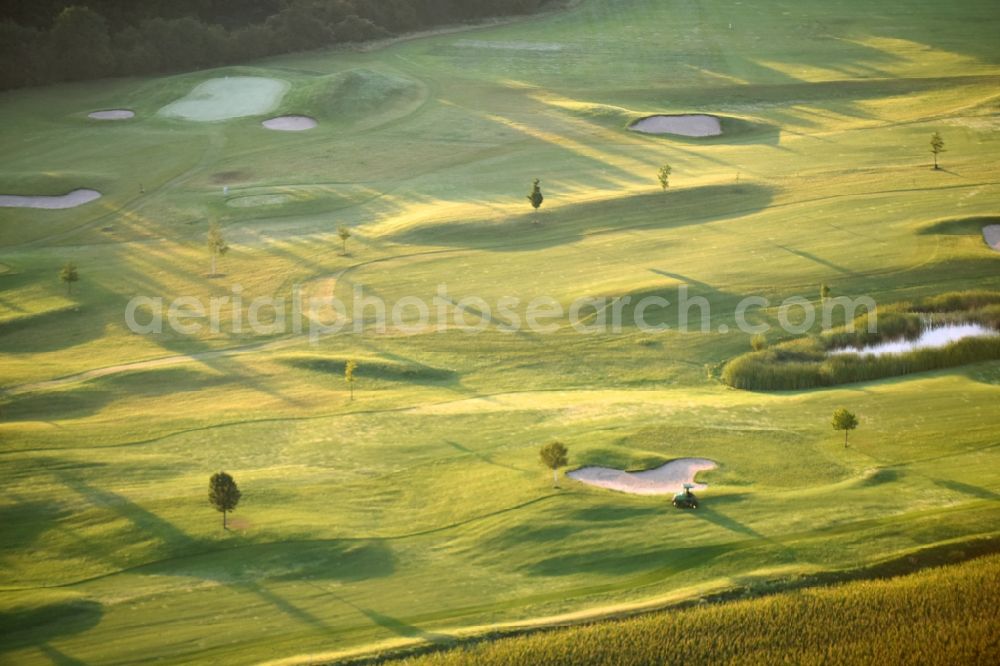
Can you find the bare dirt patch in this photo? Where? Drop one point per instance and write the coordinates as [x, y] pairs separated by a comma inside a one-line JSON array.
[[663, 480], [696, 125]]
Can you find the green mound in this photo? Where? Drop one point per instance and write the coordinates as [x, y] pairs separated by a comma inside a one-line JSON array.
[[364, 96], [683, 207]]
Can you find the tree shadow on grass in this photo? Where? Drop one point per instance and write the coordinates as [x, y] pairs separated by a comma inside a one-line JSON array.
[[621, 561], [967, 489], [568, 224], [88, 398], [520, 535], [24, 522], [609, 513], [141, 519], [60, 658], [51, 331], [393, 624], [400, 628], [38, 626], [482, 456], [962, 226], [706, 512], [818, 260]]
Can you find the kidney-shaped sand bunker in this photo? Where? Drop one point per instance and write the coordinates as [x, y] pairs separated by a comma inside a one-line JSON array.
[[663, 480]]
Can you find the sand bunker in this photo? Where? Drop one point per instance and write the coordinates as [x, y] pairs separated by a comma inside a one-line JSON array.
[[71, 200], [230, 97], [112, 114], [667, 479], [290, 123], [690, 125], [991, 234]]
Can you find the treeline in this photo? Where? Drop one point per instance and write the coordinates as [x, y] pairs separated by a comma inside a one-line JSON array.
[[45, 41], [807, 363]]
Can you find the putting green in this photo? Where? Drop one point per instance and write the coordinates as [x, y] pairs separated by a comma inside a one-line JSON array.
[[229, 97]]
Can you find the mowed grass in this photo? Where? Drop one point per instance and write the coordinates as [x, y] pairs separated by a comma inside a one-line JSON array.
[[419, 510]]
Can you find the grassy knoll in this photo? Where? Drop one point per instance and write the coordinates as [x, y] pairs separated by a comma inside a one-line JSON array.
[[419, 509]]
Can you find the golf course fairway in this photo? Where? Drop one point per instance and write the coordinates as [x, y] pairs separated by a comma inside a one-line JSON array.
[[410, 505]]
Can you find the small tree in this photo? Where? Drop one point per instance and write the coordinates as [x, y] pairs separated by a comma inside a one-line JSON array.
[[846, 421], [223, 494], [664, 176], [217, 246], [344, 234], [937, 147], [555, 455], [536, 197], [69, 275], [824, 292], [349, 375], [758, 342]]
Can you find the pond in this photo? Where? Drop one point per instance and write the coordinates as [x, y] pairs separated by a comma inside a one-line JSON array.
[[931, 338]]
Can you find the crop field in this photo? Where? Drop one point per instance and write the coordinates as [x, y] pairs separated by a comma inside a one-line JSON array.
[[418, 510], [949, 610]]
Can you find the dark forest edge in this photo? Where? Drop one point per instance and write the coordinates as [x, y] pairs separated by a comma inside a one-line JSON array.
[[50, 41]]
